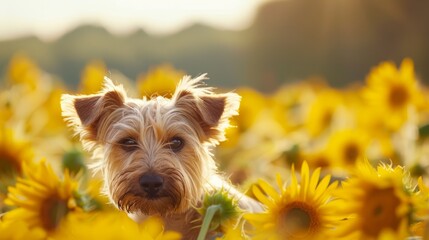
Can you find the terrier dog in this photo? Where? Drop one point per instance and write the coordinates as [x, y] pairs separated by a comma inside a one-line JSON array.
[[154, 153]]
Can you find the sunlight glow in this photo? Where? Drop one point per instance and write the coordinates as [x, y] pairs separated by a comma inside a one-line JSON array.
[[49, 19]]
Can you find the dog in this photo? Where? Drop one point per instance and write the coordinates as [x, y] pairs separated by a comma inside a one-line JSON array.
[[155, 153]]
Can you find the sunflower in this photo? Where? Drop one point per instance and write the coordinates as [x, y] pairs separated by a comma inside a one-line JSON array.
[[24, 71], [41, 198], [292, 99], [376, 202], [14, 153], [393, 92], [112, 225], [322, 111], [160, 81], [299, 211], [252, 105], [346, 146], [92, 77]]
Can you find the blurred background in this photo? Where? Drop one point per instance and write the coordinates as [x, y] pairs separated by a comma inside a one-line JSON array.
[[257, 43]]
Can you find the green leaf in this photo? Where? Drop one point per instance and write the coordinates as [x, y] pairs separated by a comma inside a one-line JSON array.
[[424, 131]]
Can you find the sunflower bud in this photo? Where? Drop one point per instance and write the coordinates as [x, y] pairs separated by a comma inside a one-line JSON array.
[[219, 211], [73, 160]]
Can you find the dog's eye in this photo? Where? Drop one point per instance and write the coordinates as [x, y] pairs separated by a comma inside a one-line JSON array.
[[176, 144], [128, 144]]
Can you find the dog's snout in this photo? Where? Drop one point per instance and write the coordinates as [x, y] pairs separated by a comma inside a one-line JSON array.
[[151, 183]]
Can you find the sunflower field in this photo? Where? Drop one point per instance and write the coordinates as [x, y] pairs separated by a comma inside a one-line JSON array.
[[327, 163]]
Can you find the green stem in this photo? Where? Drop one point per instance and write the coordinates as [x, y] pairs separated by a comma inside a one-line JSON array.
[[207, 220]]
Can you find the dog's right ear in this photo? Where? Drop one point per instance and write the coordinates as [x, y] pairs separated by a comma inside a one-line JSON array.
[[88, 113]]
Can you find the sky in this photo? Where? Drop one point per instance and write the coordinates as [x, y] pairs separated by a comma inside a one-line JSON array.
[[49, 19]]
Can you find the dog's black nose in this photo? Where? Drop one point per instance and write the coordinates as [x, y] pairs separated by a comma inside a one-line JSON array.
[[151, 183]]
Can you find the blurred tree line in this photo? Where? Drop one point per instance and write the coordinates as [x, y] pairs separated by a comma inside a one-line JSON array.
[[288, 40]]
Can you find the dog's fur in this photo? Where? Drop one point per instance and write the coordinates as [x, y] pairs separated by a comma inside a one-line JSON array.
[[132, 137]]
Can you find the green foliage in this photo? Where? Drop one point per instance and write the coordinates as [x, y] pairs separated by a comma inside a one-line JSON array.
[[73, 160]]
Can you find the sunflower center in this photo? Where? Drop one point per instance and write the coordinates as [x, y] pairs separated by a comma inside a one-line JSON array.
[[8, 165], [321, 161], [52, 211], [351, 152], [299, 219], [398, 96], [327, 118], [379, 212]]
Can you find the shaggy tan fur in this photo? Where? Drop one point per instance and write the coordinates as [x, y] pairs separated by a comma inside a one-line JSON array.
[[132, 137]]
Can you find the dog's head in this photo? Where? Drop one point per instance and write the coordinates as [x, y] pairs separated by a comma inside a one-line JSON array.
[[155, 155]]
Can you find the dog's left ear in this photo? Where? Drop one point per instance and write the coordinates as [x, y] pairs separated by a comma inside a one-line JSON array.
[[207, 109]]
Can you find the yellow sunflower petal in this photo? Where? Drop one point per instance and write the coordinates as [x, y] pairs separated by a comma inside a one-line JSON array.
[[261, 197], [268, 189], [314, 180], [305, 171], [323, 185]]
